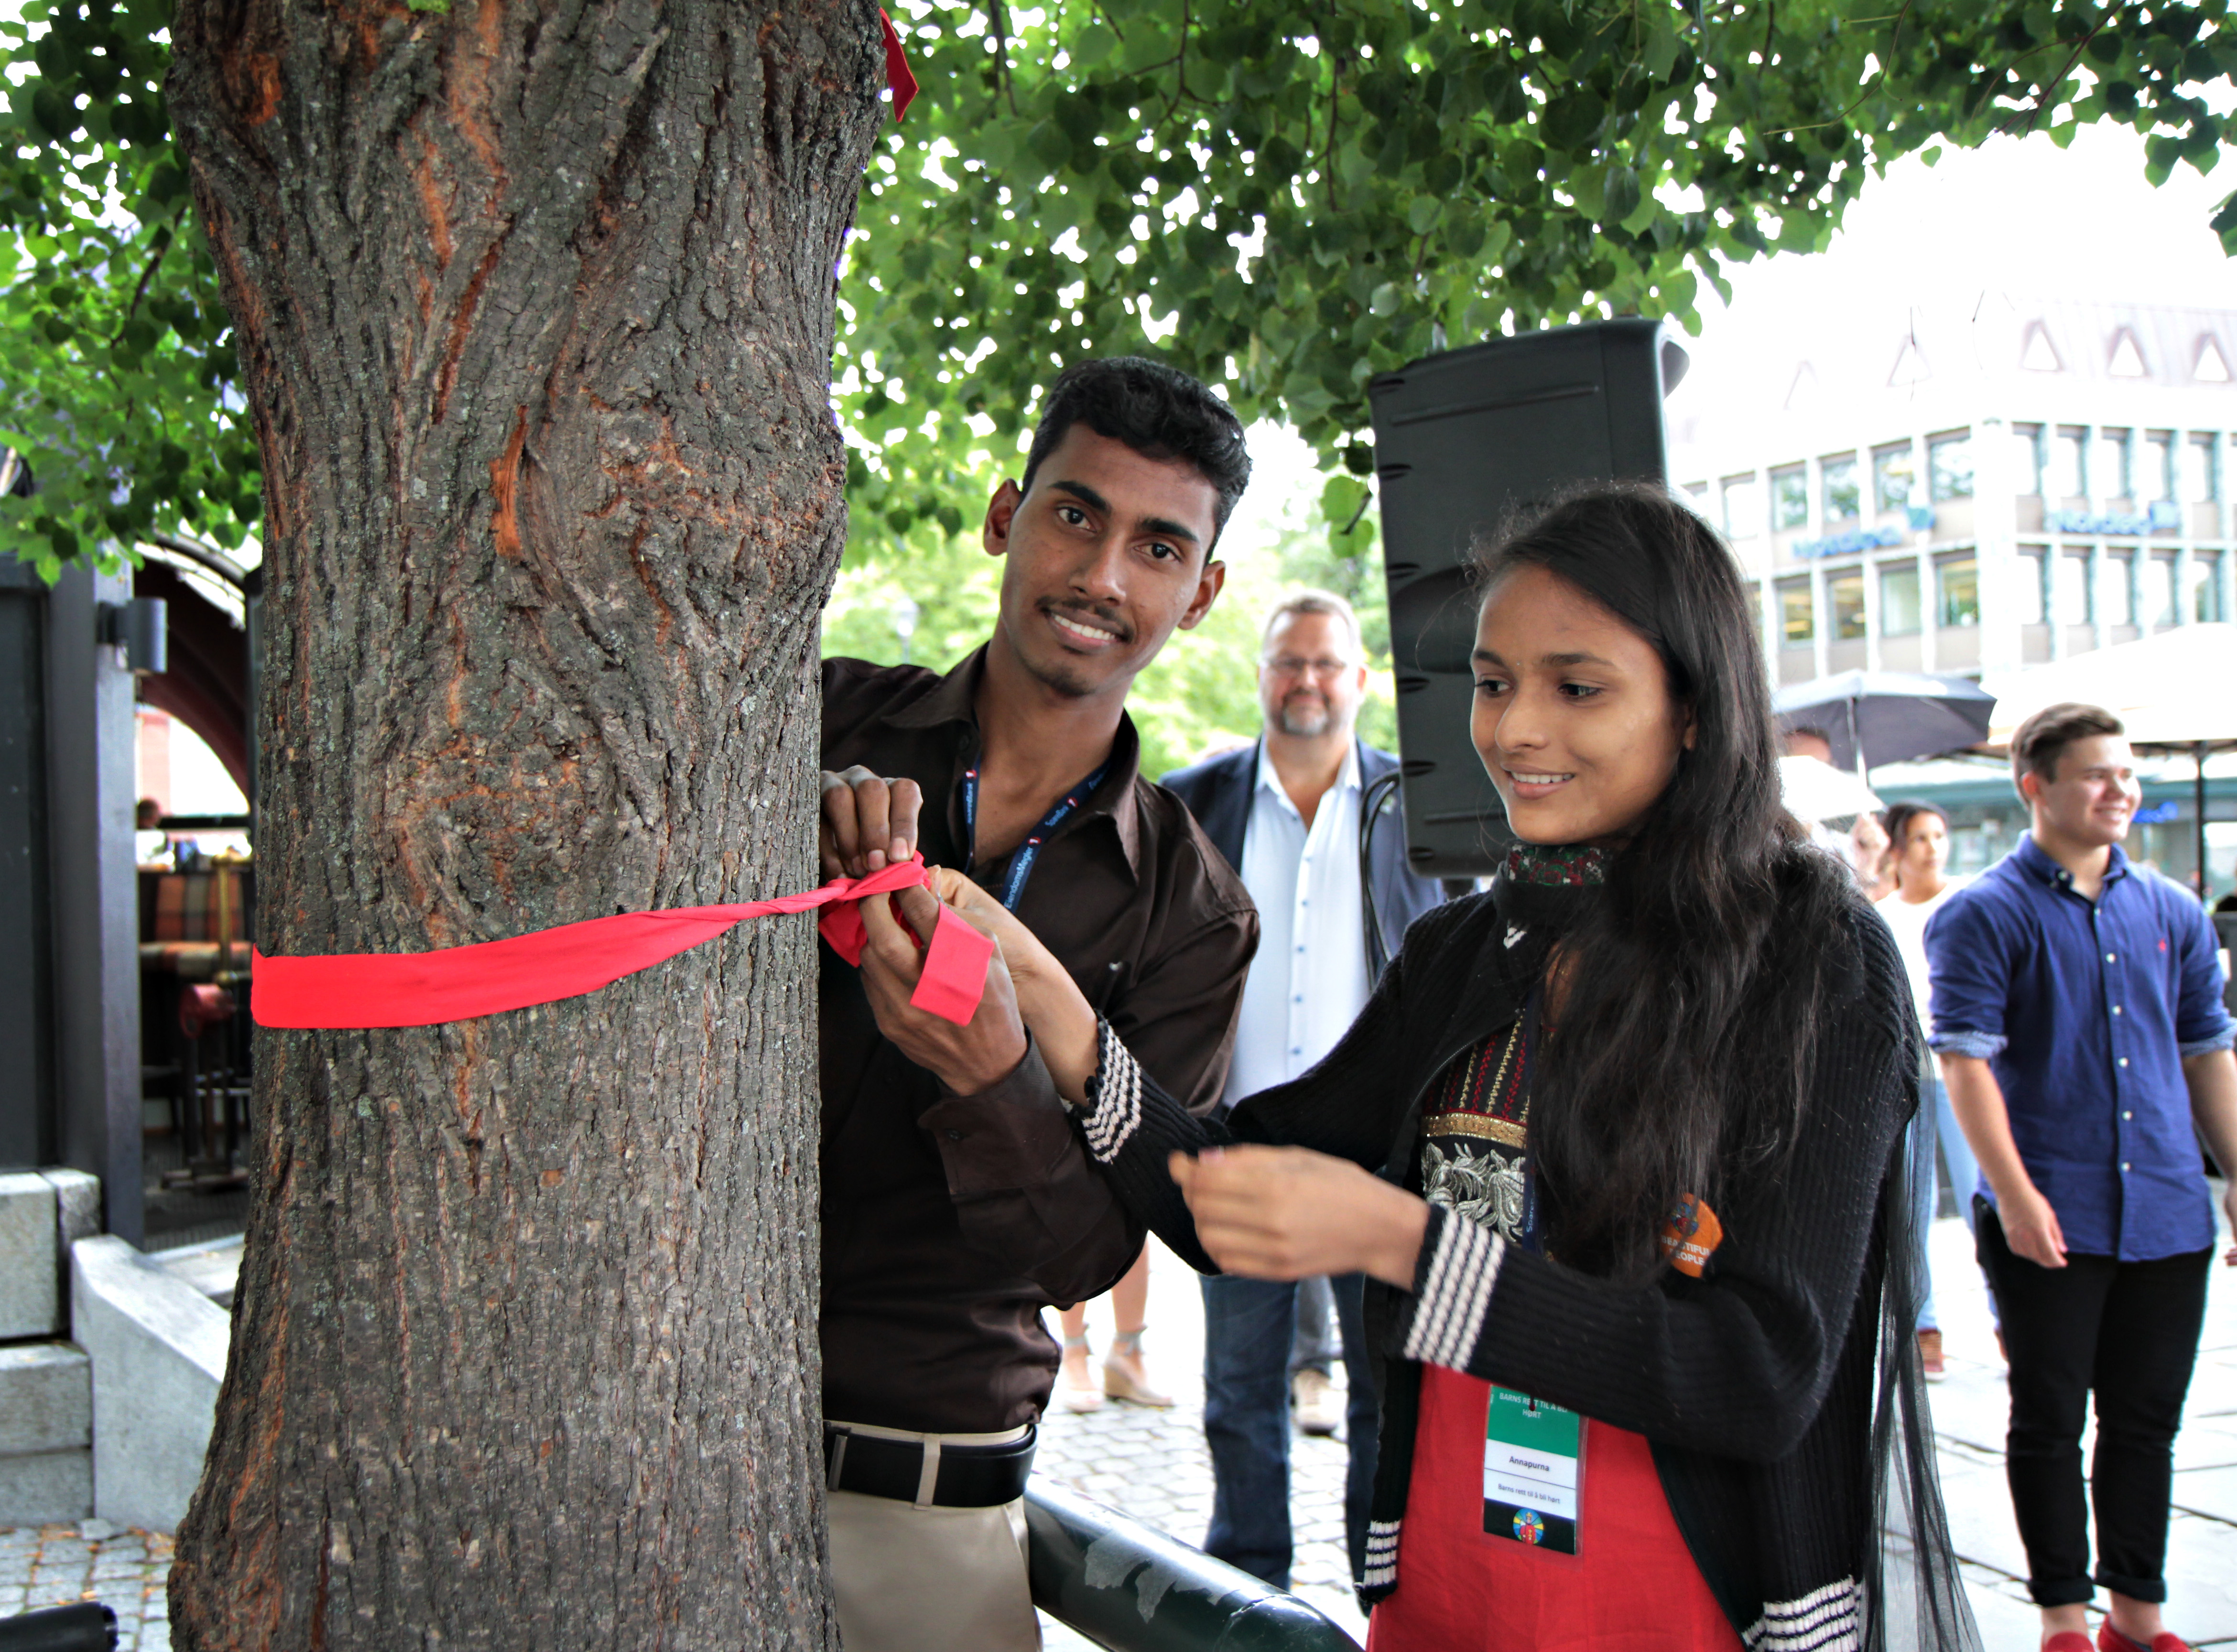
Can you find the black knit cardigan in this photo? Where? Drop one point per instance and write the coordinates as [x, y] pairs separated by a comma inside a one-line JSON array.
[[1779, 1392]]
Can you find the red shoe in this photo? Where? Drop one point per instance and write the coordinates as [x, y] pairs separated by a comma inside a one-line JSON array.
[[2111, 1640], [2068, 1641]]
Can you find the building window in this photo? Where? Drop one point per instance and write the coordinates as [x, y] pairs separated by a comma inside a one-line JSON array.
[[1891, 474], [2070, 463], [2204, 579], [2156, 596], [2116, 597], [1798, 616], [1899, 600], [2159, 464], [1846, 594], [2027, 456], [2034, 597], [2121, 453], [2069, 589], [1957, 591], [1790, 498], [1949, 467], [2201, 476], [1842, 499], [1743, 508]]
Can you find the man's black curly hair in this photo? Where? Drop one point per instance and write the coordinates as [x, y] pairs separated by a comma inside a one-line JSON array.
[[1158, 411]]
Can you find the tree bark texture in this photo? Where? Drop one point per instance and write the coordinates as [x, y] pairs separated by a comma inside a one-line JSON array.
[[534, 300]]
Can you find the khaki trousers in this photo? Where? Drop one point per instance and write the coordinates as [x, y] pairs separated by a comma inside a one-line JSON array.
[[911, 1577]]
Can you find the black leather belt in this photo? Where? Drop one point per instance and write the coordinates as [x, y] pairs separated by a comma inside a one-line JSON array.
[[967, 1477]]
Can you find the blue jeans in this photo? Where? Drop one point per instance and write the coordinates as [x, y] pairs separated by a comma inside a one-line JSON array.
[[1319, 1343], [1248, 1328], [1964, 1177]]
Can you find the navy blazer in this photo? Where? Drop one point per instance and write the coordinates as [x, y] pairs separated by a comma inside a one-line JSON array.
[[1217, 792]]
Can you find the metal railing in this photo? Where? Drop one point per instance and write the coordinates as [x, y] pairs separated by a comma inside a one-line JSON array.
[[1130, 1588]]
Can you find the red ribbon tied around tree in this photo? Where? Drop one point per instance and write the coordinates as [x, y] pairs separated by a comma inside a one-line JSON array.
[[488, 978]]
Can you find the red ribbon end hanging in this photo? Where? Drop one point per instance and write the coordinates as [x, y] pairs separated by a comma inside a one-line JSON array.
[[898, 75]]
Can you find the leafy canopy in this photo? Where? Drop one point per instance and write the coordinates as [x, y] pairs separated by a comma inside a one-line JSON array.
[[1286, 200], [117, 369], [1283, 200]]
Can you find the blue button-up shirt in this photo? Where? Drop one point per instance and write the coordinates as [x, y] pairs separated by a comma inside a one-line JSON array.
[[2086, 1011]]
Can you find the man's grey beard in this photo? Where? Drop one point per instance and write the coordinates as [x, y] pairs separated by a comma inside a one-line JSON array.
[[1306, 725]]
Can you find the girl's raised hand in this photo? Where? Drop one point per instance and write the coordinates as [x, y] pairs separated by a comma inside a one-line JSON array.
[[1290, 1213]]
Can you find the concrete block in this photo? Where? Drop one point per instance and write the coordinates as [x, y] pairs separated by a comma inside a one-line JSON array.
[[158, 1347], [46, 1398], [78, 1204], [39, 1488], [30, 1303], [212, 1269]]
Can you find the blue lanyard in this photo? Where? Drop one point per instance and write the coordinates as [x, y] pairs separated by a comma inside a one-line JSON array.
[[1021, 861]]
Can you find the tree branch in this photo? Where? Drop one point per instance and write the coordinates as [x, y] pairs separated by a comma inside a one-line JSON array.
[[2043, 100], [164, 237]]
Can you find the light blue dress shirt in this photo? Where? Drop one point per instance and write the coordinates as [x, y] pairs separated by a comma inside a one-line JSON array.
[[1309, 982]]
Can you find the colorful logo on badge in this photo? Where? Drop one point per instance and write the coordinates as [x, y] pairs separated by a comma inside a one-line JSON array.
[[1529, 1526]]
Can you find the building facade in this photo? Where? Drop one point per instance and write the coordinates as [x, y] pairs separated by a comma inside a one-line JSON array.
[[1974, 494], [1976, 488]]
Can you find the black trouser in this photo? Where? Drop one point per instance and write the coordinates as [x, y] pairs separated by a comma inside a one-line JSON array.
[[2129, 1331]]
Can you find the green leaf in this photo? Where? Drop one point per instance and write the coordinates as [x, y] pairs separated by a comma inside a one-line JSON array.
[[1422, 216], [1342, 501]]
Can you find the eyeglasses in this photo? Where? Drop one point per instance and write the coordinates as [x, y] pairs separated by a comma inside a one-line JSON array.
[[1291, 665]]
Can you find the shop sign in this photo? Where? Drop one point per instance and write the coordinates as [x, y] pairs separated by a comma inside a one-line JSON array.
[[2164, 516]]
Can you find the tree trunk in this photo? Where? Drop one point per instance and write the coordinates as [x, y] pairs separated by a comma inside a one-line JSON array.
[[534, 303]]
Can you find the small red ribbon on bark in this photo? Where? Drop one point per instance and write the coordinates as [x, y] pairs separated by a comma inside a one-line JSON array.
[[898, 75], [458, 983]]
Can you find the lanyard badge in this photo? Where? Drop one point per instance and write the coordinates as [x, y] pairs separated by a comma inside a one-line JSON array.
[[1022, 859], [1534, 1471]]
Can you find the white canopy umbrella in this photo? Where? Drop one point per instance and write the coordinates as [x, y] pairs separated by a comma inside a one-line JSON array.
[[2173, 688], [1814, 789]]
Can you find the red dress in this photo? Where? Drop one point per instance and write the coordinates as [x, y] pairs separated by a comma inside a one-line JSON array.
[[1632, 1587]]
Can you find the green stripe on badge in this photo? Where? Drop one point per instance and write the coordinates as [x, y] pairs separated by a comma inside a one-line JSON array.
[[1536, 1425]]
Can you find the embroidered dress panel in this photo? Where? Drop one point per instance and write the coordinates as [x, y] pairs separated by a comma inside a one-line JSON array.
[[1473, 1135]]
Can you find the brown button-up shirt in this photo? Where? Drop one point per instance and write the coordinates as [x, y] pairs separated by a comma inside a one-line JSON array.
[[950, 1222]]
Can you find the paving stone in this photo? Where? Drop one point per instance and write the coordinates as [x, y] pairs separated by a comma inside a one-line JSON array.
[[2212, 1492]]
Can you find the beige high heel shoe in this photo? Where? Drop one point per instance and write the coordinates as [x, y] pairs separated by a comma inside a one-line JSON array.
[[1075, 1388], [1126, 1378]]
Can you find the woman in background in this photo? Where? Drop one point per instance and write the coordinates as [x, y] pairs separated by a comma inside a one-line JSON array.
[[1918, 839]]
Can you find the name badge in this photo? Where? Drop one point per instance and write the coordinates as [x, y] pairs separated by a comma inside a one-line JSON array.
[[1534, 1463]]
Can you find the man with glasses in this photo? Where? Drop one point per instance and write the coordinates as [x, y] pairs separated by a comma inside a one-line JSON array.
[[1288, 811]]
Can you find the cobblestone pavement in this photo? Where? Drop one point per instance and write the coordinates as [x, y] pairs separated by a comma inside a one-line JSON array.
[[53, 1565], [1153, 1465]]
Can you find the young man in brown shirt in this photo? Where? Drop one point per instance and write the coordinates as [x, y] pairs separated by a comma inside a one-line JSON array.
[[957, 1201]]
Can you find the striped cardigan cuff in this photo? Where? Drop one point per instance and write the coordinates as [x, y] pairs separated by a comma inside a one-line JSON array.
[[1453, 1290], [1824, 1620], [1381, 1567], [1114, 1098]]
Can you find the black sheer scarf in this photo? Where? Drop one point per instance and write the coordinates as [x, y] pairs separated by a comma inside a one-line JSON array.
[[1914, 1596]]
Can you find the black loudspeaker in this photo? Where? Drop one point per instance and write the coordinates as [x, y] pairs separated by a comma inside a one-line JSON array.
[[1461, 438]]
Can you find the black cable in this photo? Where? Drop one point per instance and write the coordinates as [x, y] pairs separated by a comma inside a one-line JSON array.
[[1372, 803]]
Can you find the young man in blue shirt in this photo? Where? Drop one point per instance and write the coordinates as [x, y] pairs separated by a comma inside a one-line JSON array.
[[2078, 1018]]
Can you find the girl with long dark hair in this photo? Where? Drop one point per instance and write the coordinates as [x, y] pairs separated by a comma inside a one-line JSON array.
[[1620, 1143]]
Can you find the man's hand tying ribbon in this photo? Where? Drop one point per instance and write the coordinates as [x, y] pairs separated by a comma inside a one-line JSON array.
[[965, 1058]]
